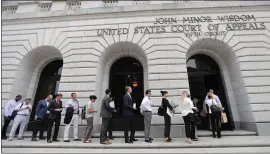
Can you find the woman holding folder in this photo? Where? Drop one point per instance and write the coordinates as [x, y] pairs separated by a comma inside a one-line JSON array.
[[167, 119], [186, 106]]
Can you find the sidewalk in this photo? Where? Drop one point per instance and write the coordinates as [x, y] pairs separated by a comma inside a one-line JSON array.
[[205, 142]]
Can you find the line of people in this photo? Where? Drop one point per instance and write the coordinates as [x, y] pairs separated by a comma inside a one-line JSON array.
[[48, 113]]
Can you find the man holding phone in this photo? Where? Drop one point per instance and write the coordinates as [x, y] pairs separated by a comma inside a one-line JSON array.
[[90, 113], [55, 108], [22, 118]]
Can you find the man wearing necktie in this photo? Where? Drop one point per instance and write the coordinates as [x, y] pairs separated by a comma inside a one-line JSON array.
[[128, 116]]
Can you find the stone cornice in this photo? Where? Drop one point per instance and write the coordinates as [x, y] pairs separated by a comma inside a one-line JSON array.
[[137, 10]]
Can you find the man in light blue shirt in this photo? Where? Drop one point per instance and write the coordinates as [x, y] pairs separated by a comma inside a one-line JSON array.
[[75, 118], [216, 98]]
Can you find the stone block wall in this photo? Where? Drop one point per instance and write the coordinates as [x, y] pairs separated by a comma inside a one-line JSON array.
[[29, 43]]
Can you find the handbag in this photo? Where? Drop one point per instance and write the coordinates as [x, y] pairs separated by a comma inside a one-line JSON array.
[[161, 111], [194, 119], [214, 108], [224, 118], [14, 113]]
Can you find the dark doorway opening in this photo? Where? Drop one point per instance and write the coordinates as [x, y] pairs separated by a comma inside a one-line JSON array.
[[127, 71], [48, 85], [204, 74]]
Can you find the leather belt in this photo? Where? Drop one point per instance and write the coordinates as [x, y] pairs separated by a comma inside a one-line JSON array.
[[22, 114]]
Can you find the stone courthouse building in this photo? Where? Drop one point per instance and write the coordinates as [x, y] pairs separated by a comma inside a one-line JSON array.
[[88, 46]]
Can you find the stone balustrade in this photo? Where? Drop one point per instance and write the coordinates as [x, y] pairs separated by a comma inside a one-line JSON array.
[[11, 7]]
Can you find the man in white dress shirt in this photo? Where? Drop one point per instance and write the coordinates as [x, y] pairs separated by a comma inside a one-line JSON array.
[[22, 118], [9, 108], [75, 118], [215, 96], [146, 110]]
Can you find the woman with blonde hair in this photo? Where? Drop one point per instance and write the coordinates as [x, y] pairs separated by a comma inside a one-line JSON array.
[[186, 106]]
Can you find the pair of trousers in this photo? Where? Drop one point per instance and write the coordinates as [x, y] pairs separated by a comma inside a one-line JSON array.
[[56, 129], [18, 120], [104, 129], [40, 125], [75, 121], [215, 123], [7, 120], [110, 128], [89, 128], [147, 124], [167, 122], [129, 126], [189, 128]]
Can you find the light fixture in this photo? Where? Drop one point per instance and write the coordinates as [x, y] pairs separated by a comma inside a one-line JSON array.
[[135, 83]]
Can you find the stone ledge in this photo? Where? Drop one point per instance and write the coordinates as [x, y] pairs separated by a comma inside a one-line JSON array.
[[248, 141], [135, 8]]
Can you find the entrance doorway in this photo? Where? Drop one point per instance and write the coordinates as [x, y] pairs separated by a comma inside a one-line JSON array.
[[127, 71], [204, 74], [48, 85]]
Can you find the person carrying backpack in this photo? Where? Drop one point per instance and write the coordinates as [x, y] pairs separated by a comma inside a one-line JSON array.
[[89, 112]]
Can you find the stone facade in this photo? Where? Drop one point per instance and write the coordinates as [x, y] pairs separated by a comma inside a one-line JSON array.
[[34, 35]]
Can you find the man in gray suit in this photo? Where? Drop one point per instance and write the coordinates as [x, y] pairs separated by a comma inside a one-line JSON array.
[[106, 114]]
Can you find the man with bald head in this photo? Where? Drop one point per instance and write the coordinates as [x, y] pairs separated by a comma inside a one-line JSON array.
[[41, 117]]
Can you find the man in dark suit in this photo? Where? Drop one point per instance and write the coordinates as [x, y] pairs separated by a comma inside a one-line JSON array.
[[128, 116], [41, 117], [55, 108], [106, 113]]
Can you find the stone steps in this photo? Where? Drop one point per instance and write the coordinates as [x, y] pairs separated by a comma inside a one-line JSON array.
[[140, 134], [204, 142], [154, 150]]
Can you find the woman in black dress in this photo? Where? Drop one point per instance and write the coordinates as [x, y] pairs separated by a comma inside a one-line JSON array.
[[167, 119]]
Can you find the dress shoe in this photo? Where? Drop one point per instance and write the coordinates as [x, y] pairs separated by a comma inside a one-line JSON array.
[[4, 137], [105, 142], [218, 136], [66, 140], [111, 138], [42, 138], [128, 141], [49, 141], [56, 140], [78, 139], [149, 141], [133, 140], [34, 139]]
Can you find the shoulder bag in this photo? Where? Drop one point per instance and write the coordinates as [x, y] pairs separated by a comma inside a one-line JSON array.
[[161, 111], [214, 108], [14, 113]]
